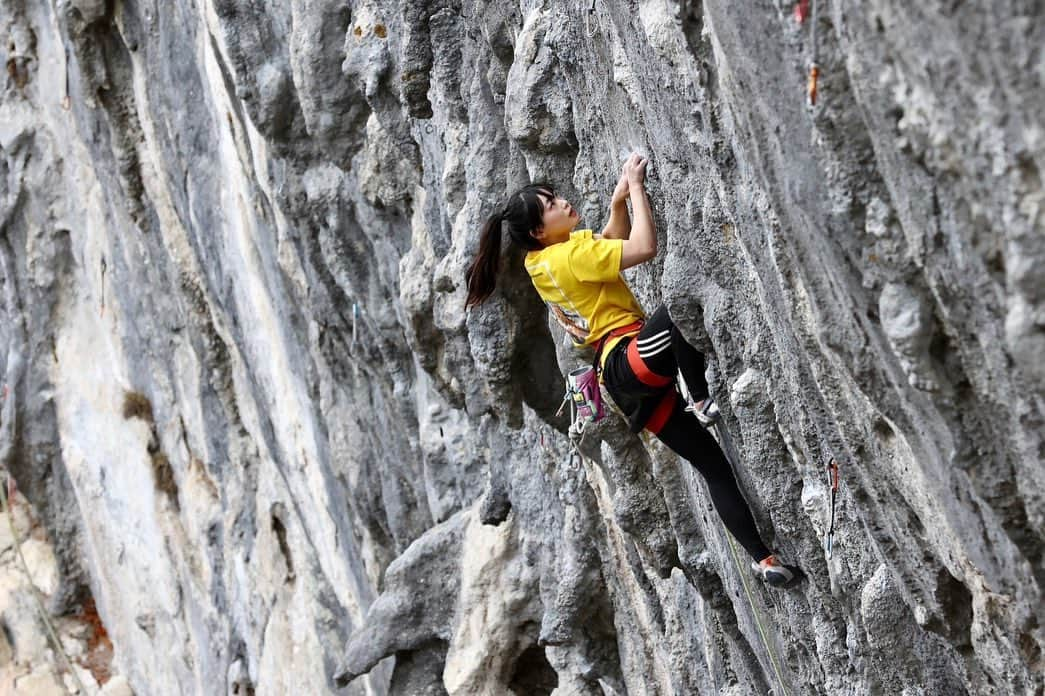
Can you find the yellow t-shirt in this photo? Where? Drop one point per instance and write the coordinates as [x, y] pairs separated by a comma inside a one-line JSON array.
[[581, 282]]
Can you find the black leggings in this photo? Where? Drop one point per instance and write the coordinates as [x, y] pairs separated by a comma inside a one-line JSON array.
[[640, 376]]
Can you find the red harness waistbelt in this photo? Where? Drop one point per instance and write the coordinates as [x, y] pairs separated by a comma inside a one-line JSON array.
[[620, 331]]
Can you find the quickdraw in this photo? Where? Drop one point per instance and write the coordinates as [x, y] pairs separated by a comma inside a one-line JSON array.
[[355, 321], [814, 67], [802, 11], [832, 480]]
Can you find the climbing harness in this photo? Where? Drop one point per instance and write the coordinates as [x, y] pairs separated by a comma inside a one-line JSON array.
[[832, 480], [6, 491], [631, 328], [582, 385]]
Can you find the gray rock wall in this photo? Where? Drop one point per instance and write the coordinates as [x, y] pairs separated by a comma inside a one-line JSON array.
[[267, 439]]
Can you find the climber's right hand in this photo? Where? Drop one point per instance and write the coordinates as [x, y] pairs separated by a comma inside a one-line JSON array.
[[635, 169]]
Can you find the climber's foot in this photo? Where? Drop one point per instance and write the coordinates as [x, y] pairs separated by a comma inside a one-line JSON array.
[[775, 573], [706, 412]]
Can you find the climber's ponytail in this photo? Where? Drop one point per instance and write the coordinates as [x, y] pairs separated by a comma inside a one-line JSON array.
[[523, 214], [482, 274]]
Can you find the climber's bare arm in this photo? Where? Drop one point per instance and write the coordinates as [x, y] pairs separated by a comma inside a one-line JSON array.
[[619, 224], [641, 243]]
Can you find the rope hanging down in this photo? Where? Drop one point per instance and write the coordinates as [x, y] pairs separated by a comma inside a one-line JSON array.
[[754, 611], [727, 450], [583, 395], [5, 500]]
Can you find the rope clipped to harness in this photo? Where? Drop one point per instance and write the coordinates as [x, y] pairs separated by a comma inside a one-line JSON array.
[[582, 384]]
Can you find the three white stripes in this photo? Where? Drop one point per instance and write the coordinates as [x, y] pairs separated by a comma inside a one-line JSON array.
[[652, 345]]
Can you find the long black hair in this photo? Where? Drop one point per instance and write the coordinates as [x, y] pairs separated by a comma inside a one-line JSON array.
[[523, 214]]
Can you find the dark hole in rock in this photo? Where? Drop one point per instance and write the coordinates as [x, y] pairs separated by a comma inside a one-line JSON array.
[[420, 672], [995, 264], [884, 432], [533, 676], [1029, 646], [940, 348], [284, 548], [137, 405], [955, 601], [163, 477]]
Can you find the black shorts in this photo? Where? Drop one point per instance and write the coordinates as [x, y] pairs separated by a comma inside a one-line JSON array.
[[640, 373]]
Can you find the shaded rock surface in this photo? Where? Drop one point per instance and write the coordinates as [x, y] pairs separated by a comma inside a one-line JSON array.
[[241, 390]]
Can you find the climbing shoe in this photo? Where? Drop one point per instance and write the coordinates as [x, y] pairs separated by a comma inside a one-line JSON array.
[[706, 412], [775, 573]]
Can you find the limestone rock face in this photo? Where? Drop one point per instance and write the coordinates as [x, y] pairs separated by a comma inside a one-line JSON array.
[[269, 444]]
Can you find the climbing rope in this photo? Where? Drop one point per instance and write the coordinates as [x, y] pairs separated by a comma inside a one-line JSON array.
[[37, 595], [754, 611], [575, 451], [742, 572]]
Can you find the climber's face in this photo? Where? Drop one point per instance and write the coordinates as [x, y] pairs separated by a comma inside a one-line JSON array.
[[558, 220]]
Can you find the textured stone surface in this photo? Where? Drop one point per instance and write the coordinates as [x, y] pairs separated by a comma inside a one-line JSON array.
[[242, 393], [29, 663]]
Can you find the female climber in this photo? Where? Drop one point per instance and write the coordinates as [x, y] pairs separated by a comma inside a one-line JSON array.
[[578, 274]]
